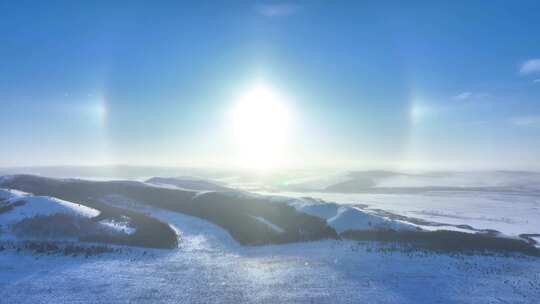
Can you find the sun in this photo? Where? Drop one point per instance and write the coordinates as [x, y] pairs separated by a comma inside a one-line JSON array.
[[261, 127]]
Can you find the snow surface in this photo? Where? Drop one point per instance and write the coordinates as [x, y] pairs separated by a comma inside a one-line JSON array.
[[116, 226], [210, 267]]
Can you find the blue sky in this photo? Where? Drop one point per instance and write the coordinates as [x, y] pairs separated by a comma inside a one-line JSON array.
[[368, 83]]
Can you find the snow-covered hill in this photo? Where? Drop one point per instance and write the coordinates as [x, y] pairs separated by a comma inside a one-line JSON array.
[[344, 217], [23, 215], [19, 205]]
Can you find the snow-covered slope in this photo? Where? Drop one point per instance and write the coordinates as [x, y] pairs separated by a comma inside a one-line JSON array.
[[19, 205], [24, 216], [341, 217], [348, 218]]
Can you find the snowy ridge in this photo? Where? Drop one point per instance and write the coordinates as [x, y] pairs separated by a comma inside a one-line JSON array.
[[269, 224], [186, 184]]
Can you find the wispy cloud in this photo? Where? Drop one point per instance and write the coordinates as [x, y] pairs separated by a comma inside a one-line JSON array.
[[463, 96], [277, 9], [526, 121], [536, 80], [531, 66], [467, 96]]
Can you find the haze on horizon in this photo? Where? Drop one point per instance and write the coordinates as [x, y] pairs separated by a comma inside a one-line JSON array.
[[269, 85]]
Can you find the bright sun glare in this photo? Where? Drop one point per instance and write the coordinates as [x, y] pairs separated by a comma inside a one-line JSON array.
[[261, 127]]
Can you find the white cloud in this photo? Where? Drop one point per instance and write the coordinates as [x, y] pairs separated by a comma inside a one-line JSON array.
[[277, 10], [531, 66], [536, 80], [465, 96], [526, 121]]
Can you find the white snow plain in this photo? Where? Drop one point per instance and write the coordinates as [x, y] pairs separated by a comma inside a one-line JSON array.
[[210, 267]]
